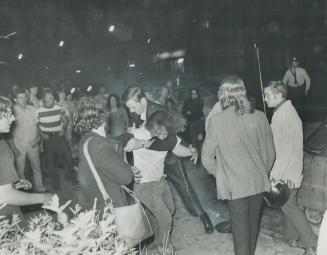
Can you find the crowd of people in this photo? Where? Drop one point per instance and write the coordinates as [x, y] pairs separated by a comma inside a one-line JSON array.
[[134, 141]]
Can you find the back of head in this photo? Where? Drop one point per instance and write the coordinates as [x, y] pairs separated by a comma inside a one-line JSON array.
[[232, 92], [276, 87], [160, 119], [5, 104], [133, 92], [89, 116]]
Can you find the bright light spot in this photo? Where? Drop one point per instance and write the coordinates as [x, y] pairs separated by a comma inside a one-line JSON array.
[[148, 41], [78, 71], [72, 90], [109, 69], [180, 60], [46, 67], [89, 88], [111, 28], [132, 65], [61, 43], [207, 24], [140, 73], [20, 56]]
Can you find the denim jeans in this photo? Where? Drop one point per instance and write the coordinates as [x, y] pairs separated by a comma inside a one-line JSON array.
[[157, 198]]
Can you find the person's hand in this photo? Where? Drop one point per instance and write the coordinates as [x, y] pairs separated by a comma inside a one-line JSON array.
[[137, 174], [290, 184], [23, 184], [274, 181], [47, 199], [306, 92], [134, 144], [131, 129], [195, 155], [36, 141]]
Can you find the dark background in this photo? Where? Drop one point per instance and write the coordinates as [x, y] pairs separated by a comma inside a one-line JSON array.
[[218, 36]]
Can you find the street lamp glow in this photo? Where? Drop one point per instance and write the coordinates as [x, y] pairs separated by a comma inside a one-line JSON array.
[[61, 43], [72, 90], [148, 41], [180, 60], [78, 71], [132, 65], [111, 28], [89, 88], [20, 56]]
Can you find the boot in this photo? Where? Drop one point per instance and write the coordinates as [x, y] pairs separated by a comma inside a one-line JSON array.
[[207, 224]]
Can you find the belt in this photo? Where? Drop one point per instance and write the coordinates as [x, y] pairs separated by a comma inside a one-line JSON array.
[[51, 133]]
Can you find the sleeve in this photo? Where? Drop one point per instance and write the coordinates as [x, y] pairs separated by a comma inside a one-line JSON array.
[[307, 80], [167, 144], [208, 154], [286, 77], [7, 170], [125, 116], [124, 138], [283, 134], [185, 107], [270, 147], [112, 166]]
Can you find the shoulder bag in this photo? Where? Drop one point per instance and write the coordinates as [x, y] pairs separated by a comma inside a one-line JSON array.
[[132, 222]]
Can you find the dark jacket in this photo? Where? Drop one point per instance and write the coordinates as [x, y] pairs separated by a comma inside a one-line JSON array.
[[111, 168], [195, 106]]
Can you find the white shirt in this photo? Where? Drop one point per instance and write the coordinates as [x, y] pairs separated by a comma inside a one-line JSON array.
[[301, 77], [149, 162]]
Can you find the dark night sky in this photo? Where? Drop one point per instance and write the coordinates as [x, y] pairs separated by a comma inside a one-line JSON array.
[[219, 31]]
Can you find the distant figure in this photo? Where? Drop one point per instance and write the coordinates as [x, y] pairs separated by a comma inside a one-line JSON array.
[[288, 139], [101, 99], [117, 116], [193, 112], [10, 182], [239, 151], [298, 84], [26, 139]]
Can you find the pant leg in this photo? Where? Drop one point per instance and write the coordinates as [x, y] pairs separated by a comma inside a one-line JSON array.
[[33, 155], [255, 207], [298, 222], [154, 196], [64, 149], [296, 95], [20, 161], [50, 152], [239, 217], [175, 171]]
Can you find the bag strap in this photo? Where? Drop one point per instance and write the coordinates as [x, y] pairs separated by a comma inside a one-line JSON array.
[[103, 191]]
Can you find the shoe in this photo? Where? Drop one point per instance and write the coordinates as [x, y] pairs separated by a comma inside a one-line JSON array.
[[310, 251], [207, 224], [224, 227]]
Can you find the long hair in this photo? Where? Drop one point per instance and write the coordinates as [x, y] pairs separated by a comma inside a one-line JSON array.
[[5, 103], [89, 116], [232, 92], [109, 99]]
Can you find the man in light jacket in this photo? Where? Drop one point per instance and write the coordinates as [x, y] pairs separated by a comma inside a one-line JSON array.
[[287, 132]]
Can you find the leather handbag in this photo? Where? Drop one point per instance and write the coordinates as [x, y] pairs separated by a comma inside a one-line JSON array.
[[131, 220], [277, 196]]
